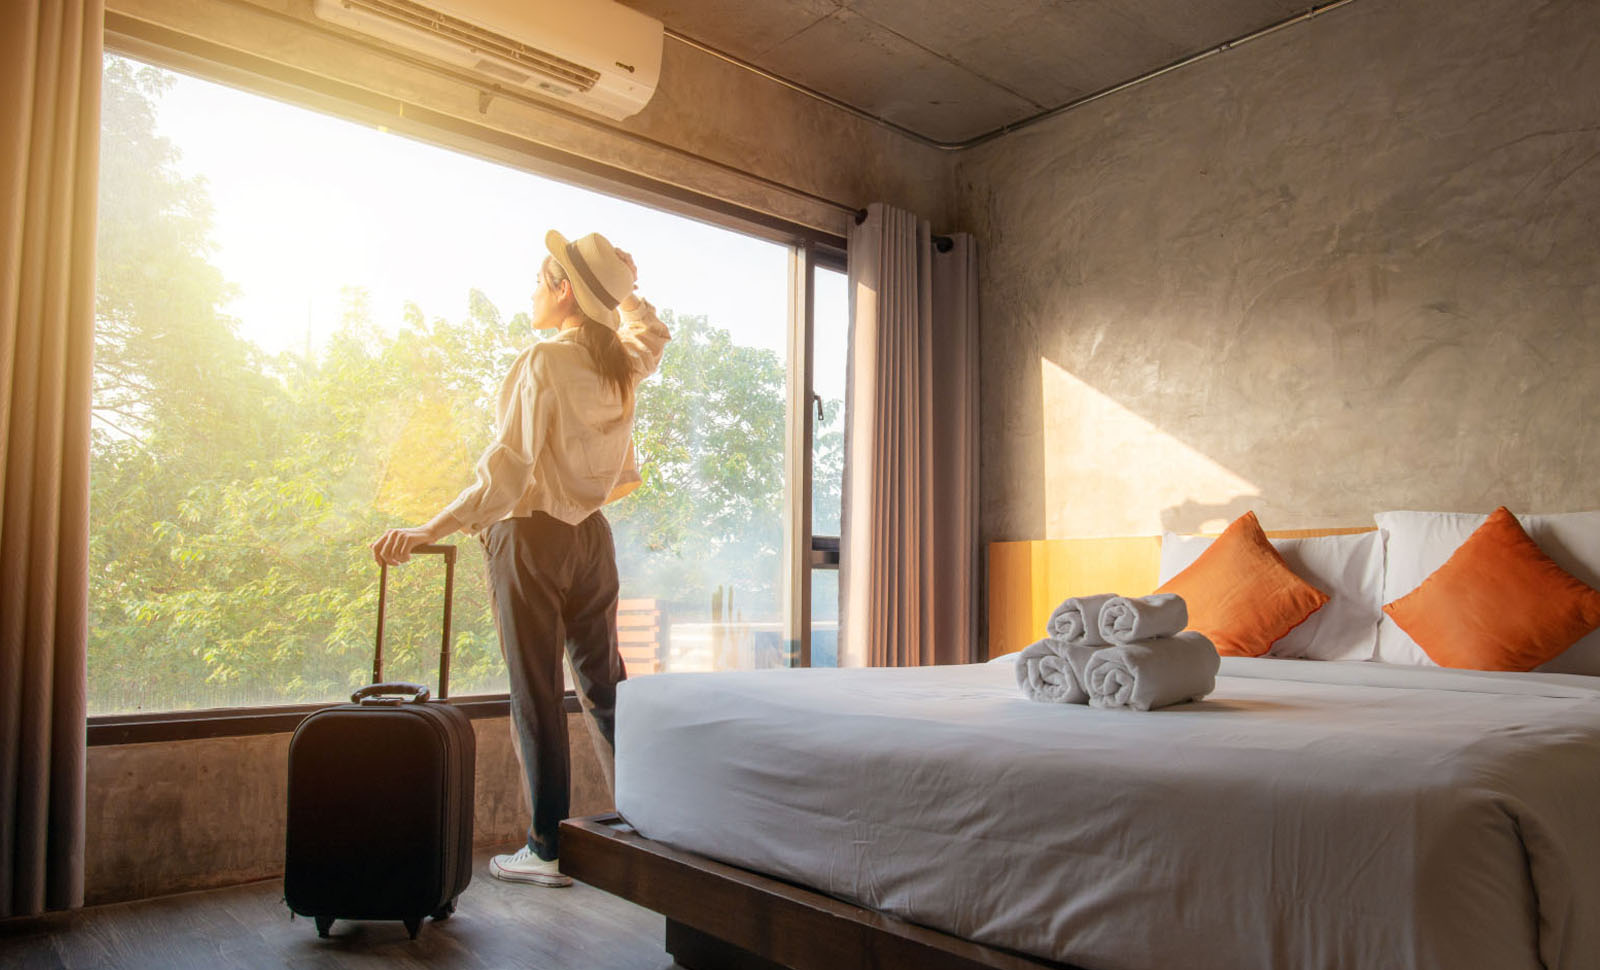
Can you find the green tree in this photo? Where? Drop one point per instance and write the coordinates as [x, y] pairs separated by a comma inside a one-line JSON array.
[[234, 492], [827, 470], [169, 371], [710, 429]]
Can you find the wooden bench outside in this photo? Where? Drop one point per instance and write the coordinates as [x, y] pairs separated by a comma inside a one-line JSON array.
[[643, 635]]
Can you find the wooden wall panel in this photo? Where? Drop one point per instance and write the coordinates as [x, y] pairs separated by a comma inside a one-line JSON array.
[[1029, 579]]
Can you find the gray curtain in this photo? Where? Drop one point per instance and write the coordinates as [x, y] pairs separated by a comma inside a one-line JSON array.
[[50, 55], [908, 550]]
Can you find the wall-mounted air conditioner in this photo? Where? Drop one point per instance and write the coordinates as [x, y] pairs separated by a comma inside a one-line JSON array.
[[596, 54]]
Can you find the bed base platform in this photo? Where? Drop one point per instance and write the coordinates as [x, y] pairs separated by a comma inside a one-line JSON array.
[[720, 917]]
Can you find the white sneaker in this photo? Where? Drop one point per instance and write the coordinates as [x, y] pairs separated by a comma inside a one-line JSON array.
[[524, 866]]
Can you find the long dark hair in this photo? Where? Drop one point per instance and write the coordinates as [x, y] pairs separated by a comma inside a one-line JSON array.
[[605, 350]]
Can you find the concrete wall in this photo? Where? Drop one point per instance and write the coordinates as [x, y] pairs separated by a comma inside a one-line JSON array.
[[1352, 266], [174, 816]]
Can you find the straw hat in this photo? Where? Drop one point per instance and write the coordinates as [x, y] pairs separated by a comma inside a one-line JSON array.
[[600, 279]]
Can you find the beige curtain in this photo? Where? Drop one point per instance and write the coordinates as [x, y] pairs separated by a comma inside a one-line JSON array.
[[49, 142], [908, 554]]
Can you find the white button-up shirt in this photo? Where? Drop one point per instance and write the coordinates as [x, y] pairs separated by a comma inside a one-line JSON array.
[[564, 443]]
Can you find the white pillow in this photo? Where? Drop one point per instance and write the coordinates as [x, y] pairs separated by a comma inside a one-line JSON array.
[[1349, 568], [1417, 543]]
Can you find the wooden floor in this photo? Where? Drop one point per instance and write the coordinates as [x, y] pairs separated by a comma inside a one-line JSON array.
[[497, 925]]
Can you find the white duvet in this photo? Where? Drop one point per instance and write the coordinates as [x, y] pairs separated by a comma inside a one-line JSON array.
[[1308, 814]]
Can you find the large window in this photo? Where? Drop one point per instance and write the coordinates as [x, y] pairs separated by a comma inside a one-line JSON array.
[[302, 325]]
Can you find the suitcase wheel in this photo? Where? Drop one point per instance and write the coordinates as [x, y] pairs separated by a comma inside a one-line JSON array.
[[323, 922], [445, 911], [413, 925]]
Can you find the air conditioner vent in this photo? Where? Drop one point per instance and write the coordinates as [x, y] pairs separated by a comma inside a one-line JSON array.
[[532, 59], [595, 55], [496, 69]]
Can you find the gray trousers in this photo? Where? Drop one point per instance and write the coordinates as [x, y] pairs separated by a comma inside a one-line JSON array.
[[554, 593]]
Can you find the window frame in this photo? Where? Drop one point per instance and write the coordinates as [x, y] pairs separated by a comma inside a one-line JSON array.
[[824, 548], [175, 51], [236, 722], [805, 551]]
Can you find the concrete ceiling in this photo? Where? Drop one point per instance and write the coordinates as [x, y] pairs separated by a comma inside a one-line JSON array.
[[953, 69]]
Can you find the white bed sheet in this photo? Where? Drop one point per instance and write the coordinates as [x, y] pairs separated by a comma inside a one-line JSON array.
[[1308, 814]]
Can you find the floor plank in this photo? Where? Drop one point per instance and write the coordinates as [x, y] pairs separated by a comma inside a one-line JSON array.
[[497, 925]]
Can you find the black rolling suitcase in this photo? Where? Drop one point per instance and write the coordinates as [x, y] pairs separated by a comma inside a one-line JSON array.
[[381, 797]]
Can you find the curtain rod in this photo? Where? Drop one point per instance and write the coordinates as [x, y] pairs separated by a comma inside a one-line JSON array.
[[941, 243]]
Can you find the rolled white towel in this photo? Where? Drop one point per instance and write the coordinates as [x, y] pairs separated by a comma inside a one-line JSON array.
[[1129, 619], [1152, 673], [1052, 671], [1077, 620]]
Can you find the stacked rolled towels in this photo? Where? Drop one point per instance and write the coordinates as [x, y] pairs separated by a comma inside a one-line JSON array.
[[1119, 651]]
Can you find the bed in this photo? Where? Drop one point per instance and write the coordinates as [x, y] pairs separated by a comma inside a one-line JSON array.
[[1309, 813]]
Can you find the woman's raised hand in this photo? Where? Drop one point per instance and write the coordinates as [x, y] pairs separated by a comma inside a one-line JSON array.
[[627, 258], [630, 301]]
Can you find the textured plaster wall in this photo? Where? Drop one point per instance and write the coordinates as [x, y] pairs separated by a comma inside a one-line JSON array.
[[1352, 266], [175, 816]]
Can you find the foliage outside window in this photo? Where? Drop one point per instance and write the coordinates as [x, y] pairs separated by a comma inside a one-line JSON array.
[[236, 486]]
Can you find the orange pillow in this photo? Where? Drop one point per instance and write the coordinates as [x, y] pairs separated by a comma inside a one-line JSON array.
[[1498, 603], [1240, 592]]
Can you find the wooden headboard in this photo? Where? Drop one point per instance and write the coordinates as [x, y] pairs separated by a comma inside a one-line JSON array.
[[1029, 579]]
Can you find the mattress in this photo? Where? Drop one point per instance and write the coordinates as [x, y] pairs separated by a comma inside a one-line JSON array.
[[1307, 814]]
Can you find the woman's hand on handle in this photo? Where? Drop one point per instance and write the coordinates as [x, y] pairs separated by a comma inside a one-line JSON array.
[[394, 547]]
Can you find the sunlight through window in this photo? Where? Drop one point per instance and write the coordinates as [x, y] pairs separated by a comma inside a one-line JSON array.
[[302, 325]]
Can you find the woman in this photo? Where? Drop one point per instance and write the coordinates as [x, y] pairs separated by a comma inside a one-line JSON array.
[[563, 448]]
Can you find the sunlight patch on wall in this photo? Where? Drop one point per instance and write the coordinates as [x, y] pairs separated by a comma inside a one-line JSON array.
[[1109, 472]]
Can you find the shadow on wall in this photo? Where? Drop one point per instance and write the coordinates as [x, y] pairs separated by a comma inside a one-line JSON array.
[[1192, 517], [1274, 281]]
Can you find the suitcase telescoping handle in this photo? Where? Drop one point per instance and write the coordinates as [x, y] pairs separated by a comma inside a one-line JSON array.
[[374, 693], [449, 553]]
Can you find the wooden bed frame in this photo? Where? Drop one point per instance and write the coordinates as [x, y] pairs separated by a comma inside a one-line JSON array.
[[720, 917]]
